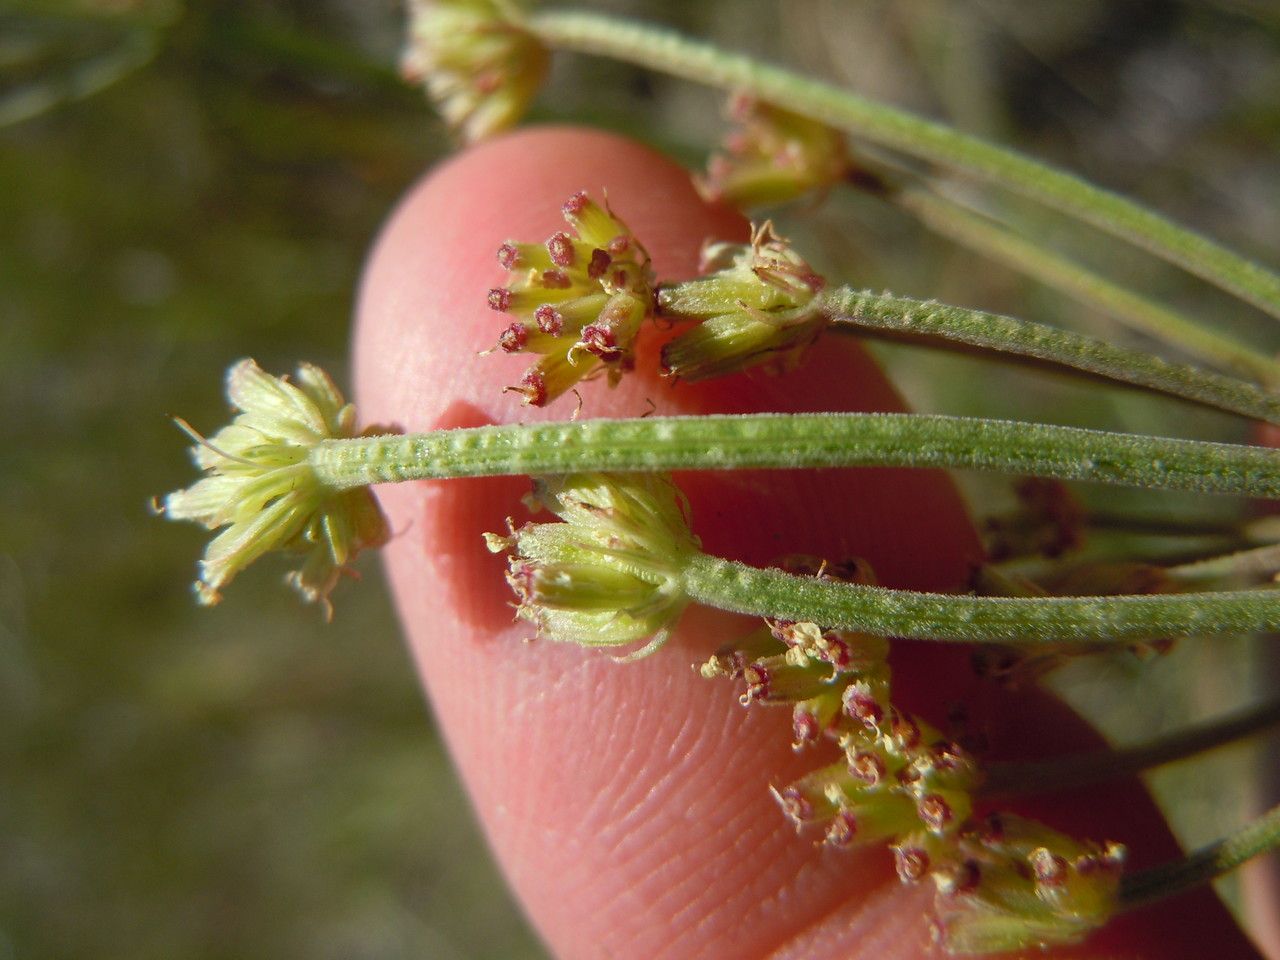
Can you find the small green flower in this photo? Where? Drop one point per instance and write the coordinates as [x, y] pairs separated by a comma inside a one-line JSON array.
[[579, 301], [261, 487], [611, 573], [759, 303], [773, 156], [479, 65], [1014, 884]]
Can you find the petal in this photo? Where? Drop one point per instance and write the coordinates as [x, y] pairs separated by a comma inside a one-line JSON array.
[[204, 501], [242, 543], [322, 392], [270, 400]]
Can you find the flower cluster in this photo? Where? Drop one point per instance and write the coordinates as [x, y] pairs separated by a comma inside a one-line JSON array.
[[1002, 883], [773, 155], [260, 485], [479, 65], [579, 300], [1009, 883], [757, 303], [611, 573]]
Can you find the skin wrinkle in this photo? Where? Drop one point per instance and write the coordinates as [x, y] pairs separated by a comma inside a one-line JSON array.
[[867, 933], [532, 780]]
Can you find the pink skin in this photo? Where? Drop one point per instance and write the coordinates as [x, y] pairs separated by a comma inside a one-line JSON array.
[[629, 804]]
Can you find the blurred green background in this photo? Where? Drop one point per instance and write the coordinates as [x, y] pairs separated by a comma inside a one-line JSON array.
[[183, 184]]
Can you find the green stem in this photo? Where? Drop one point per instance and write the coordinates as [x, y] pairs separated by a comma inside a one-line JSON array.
[[1258, 562], [137, 47], [1085, 769], [666, 51], [799, 441], [997, 242], [1158, 883], [736, 587], [882, 313]]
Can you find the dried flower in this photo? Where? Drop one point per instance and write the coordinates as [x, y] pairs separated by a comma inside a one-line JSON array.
[[757, 304], [612, 573], [579, 301], [260, 485], [773, 156], [478, 63]]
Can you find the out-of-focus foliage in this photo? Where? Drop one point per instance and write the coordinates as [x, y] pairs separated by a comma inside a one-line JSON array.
[[184, 185]]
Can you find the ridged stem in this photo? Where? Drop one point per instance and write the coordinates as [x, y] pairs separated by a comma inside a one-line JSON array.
[[728, 585], [799, 441], [1158, 883], [669, 52], [997, 242], [1082, 770], [886, 314]]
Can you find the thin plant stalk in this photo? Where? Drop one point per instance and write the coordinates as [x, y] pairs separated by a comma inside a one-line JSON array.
[[1261, 561], [886, 314], [997, 242], [800, 441], [732, 586], [1158, 883], [669, 52], [1086, 769]]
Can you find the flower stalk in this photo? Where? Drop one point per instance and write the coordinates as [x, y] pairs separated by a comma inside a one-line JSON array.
[[802, 441], [883, 314], [669, 52], [1001, 244], [1085, 769], [763, 303], [946, 617], [1159, 883]]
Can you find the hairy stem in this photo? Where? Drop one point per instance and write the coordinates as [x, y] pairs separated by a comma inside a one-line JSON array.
[[885, 314], [1167, 880], [1084, 769], [666, 51], [1003, 245], [1257, 562], [799, 441], [732, 586]]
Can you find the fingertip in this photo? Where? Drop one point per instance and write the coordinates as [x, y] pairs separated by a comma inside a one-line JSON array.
[[629, 805]]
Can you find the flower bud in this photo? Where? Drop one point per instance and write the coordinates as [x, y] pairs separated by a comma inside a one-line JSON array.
[[478, 63], [757, 304], [579, 301], [851, 809], [844, 651], [611, 573], [260, 485], [773, 156], [1020, 885]]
